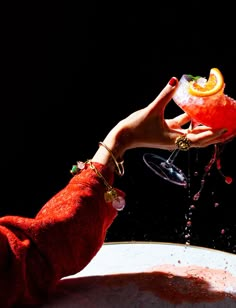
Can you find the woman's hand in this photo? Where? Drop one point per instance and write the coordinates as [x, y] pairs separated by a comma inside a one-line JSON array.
[[148, 127]]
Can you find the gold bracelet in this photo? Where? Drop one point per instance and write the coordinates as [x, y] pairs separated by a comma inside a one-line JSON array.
[[111, 194], [119, 165]]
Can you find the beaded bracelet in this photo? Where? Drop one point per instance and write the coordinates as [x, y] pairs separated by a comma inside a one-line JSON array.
[[119, 165], [111, 194]]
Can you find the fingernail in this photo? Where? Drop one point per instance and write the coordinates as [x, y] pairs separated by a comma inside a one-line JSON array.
[[173, 81], [224, 130]]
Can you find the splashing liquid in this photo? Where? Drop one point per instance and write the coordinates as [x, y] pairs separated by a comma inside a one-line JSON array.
[[214, 160]]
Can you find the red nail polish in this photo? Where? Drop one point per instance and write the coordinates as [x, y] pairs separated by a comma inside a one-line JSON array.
[[173, 81]]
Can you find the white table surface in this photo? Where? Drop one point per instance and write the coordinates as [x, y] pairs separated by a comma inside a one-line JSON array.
[[135, 257]]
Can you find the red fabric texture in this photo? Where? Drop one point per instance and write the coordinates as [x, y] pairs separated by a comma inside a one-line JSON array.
[[69, 230]]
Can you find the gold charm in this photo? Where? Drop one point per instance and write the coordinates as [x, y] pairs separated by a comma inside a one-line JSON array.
[[183, 143], [110, 195]]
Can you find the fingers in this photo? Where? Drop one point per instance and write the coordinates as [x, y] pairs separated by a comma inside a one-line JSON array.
[[201, 128], [165, 95], [202, 136], [181, 119], [226, 137]]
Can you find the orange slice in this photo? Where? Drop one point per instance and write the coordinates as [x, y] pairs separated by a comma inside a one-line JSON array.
[[203, 87]]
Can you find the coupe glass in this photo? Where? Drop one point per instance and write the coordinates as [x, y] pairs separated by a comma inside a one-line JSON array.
[[216, 111]]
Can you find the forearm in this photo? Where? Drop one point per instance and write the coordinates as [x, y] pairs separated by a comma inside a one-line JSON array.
[[61, 240]]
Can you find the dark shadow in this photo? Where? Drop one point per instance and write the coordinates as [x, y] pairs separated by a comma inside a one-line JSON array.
[[147, 289]]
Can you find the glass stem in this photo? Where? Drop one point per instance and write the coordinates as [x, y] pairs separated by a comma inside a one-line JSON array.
[[172, 157]]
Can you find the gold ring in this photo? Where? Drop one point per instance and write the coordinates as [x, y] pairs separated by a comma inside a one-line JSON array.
[[183, 143]]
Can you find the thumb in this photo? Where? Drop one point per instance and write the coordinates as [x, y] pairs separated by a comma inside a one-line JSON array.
[[166, 94]]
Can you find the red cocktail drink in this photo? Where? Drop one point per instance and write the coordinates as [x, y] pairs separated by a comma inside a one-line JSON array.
[[216, 111]]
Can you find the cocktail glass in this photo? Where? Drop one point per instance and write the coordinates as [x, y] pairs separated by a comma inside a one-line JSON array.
[[216, 111]]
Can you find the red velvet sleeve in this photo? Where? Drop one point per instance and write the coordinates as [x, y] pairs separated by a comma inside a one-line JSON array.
[[35, 253]]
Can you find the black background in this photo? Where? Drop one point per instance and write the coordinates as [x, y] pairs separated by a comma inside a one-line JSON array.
[[71, 71]]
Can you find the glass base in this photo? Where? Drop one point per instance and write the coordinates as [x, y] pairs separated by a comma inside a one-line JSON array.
[[167, 171]]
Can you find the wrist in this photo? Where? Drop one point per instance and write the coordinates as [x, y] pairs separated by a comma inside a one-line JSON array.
[[119, 164], [112, 149]]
